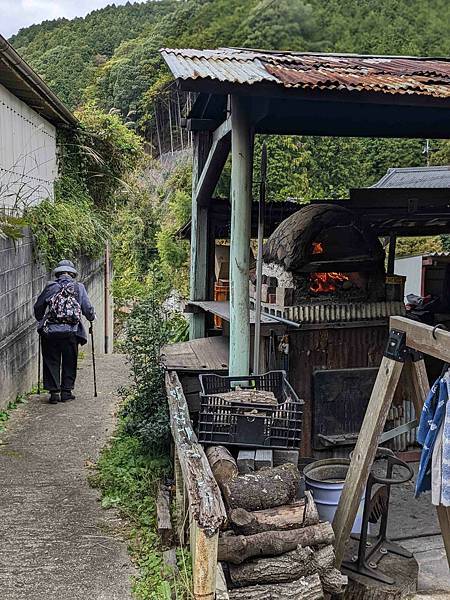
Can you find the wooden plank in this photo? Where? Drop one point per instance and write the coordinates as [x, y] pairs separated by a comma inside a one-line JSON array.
[[263, 458], [180, 501], [281, 457], [204, 354], [163, 519], [204, 563], [246, 461], [420, 337], [205, 499], [170, 561], [221, 584], [364, 453]]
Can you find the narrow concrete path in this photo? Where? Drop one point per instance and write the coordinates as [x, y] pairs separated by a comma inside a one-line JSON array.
[[56, 543]]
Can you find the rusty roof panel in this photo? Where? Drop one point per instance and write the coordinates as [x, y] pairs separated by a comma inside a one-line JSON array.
[[385, 74]]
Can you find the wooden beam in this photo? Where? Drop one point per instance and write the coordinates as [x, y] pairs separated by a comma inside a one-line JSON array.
[[204, 563], [205, 500], [364, 452], [221, 584], [218, 154], [199, 236], [420, 337], [241, 194]]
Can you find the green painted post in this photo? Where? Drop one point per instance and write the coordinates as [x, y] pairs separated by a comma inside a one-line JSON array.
[[241, 191], [199, 237]]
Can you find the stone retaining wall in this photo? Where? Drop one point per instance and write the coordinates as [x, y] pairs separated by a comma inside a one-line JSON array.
[[21, 280]]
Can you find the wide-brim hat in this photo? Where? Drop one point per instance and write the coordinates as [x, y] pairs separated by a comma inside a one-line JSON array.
[[65, 266]]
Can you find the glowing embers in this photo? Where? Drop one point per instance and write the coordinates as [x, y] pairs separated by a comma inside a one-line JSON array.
[[317, 248], [325, 283]]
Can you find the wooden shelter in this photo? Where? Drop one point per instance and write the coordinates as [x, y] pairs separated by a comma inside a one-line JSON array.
[[242, 92]]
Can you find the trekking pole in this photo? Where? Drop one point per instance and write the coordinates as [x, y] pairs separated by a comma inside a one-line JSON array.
[[91, 331], [39, 366]]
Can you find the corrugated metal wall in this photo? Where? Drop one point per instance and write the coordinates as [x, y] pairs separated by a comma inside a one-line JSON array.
[[28, 162]]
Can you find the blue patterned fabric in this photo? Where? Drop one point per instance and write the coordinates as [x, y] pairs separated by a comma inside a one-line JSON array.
[[445, 488], [431, 419]]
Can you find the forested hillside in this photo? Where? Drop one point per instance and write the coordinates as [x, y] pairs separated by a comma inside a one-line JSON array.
[[114, 51], [110, 60]]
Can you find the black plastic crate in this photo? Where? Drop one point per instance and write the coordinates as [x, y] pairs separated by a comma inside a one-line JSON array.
[[250, 424]]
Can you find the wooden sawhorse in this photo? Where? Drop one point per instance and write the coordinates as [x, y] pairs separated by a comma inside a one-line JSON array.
[[407, 340]]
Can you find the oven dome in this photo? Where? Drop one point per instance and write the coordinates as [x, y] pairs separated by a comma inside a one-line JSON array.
[[323, 237]]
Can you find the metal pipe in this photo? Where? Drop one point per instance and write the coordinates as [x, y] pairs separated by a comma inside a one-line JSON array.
[[285, 321], [107, 297], [259, 260], [241, 189]]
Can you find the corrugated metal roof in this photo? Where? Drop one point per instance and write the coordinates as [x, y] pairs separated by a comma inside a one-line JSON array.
[[415, 177], [22, 81], [386, 74]]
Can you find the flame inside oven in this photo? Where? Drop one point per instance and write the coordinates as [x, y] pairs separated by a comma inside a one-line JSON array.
[[324, 283]]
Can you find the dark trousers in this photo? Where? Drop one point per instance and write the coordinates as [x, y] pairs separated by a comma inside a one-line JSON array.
[[59, 355]]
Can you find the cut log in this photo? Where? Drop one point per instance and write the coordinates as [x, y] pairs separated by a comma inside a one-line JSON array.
[[264, 489], [282, 518], [222, 464], [306, 588], [334, 582], [236, 549], [287, 567], [276, 569], [164, 523]]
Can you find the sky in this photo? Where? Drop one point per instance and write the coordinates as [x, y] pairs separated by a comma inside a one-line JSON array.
[[15, 14]]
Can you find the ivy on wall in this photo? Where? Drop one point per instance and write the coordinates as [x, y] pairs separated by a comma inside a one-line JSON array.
[[94, 162]]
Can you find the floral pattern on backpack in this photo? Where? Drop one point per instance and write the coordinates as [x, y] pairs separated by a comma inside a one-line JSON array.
[[64, 307]]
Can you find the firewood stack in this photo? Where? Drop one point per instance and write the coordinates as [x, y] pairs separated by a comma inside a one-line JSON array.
[[276, 546]]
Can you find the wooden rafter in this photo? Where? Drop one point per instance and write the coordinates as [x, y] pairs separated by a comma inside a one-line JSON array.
[[221, 144]]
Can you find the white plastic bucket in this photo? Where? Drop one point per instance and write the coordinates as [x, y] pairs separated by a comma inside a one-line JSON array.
[[325, 479]]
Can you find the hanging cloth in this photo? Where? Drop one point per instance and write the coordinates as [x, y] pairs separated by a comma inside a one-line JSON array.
[[436, 468], [445, 484], [431, 419]]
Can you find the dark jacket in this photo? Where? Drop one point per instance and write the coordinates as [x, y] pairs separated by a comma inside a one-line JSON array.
[[40, 308]]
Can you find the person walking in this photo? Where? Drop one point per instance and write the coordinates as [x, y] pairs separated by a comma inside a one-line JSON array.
[[58, 311]]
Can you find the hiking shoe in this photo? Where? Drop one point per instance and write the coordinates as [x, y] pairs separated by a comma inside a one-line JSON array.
[[66, 396], [54, 398]]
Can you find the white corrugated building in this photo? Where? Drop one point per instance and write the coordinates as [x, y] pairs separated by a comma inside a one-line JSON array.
[[30, 117]]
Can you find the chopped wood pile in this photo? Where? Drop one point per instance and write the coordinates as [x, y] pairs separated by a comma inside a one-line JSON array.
[[243, 396], [276, 547]]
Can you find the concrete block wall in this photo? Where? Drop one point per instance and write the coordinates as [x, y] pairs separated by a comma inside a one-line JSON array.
[[22, 279]]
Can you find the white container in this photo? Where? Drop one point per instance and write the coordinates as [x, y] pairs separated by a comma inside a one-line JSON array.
[[325, 479]]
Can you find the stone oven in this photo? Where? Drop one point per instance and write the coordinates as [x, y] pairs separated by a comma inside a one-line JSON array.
[[325, 270]]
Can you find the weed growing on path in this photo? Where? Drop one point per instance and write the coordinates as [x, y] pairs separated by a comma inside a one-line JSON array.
[[6, 413], [128, 478], [137, 459]]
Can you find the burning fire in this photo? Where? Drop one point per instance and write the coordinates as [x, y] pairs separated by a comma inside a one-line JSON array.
[[322, 283]]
